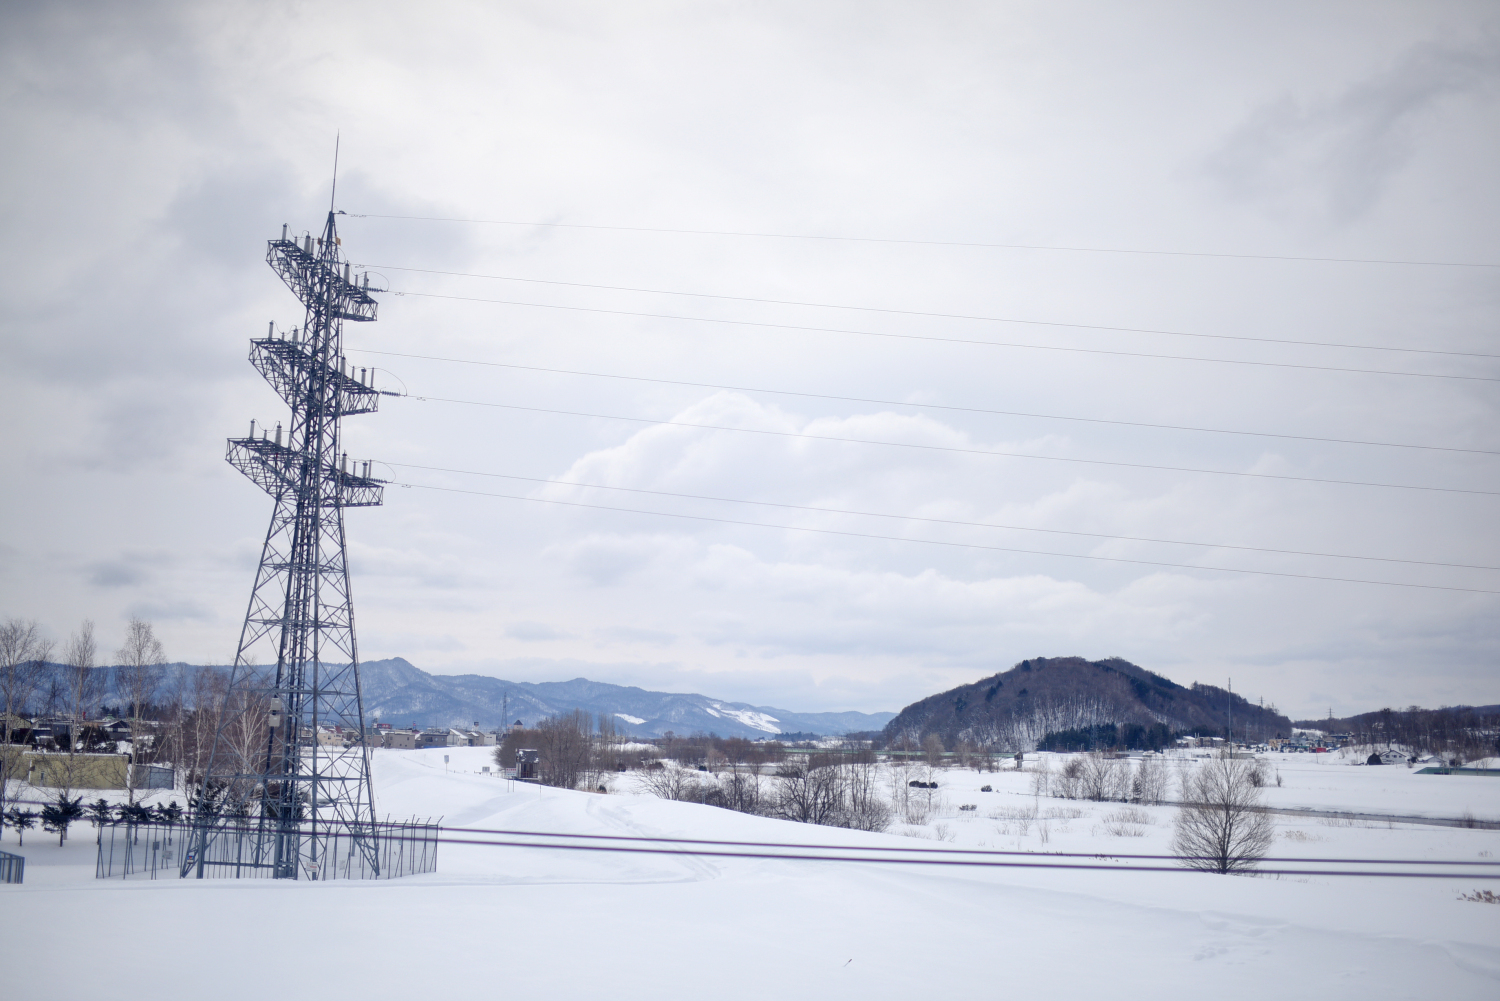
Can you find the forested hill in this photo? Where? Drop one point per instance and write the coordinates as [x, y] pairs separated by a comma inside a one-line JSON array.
[[1016, 708], [1466, 732]]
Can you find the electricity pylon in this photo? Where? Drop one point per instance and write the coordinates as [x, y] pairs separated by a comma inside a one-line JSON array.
[[280, 782]]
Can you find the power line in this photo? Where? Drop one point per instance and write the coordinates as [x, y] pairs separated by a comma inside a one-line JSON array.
[[931, 243], [937, 521], [945, 316], [954, 340], [881, 855], [920, 850], [683, 844], [963, 451], [934, 542], [931, 406], [970, 863]]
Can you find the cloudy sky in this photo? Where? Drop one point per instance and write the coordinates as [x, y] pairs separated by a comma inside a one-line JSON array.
[[1060, 314]]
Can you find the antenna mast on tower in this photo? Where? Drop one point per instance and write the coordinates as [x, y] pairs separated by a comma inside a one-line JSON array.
[[282, 787]]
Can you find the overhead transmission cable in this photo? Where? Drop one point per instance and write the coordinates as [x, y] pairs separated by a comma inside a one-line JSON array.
[[936, 315], [936, 542], [962, 451], [928, 243], [871, 856], [1112, 352], [930, 406], [921, 850], [935, 521]]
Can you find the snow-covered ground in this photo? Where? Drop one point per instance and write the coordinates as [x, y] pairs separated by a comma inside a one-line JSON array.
[[573, 924]]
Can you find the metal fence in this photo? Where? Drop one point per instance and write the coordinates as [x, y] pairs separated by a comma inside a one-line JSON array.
[[238, 848], [12, 868]]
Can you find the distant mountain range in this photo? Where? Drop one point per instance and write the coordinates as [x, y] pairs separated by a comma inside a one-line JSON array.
[[397, 692], [1016, 708]]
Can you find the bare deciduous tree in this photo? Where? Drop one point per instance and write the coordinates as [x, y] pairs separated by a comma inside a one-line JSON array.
[[138, 678], [1067, 782], [1221, 826], [1102, 778], [1041, 778], [809, 792], [866, 811], [932, 747], [566, 747], [193, 713], [23, 652], [740, 790], [1149, 783], [83, 685], [668, 780]]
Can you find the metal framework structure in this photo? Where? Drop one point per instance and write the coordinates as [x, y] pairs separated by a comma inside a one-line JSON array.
[[279, 773]]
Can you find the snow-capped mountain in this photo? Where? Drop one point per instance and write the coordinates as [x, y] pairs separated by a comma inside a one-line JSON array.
[[399, 693]]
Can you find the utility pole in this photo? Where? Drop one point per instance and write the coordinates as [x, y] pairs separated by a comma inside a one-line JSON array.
[[1231, 717], [270, 769]]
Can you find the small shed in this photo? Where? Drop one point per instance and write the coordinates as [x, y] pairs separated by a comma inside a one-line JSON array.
[[526, 764]]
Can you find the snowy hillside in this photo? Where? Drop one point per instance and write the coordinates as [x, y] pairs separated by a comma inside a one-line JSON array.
[[400, 693]]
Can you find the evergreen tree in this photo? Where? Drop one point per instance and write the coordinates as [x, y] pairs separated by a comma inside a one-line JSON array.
[[60, 815], [22, 821]]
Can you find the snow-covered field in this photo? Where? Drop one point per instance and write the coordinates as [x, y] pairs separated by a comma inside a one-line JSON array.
[[573, 924]]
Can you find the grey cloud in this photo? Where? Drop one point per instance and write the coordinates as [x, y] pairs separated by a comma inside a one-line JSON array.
[[632, 634], [534, 632], [130, 569], [170, 610], [1341, 152], [117, 573]]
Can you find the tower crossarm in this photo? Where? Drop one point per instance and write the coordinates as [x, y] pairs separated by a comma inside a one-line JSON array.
[[312, 277], [288, 366], [357, 491], [277, 468]]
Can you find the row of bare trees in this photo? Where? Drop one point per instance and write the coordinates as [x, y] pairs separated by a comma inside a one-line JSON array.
[[1102, 778], [25, 656], [834, 790], [174, 715], [575, 749]]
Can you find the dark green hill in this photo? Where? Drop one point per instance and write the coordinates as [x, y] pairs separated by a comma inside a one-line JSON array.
[[1015, 709]]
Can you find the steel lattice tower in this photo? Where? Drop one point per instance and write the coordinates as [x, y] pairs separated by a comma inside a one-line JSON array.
[[270, 772]]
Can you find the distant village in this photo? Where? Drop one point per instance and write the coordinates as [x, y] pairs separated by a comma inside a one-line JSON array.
[[66, 750], [111, 752]]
